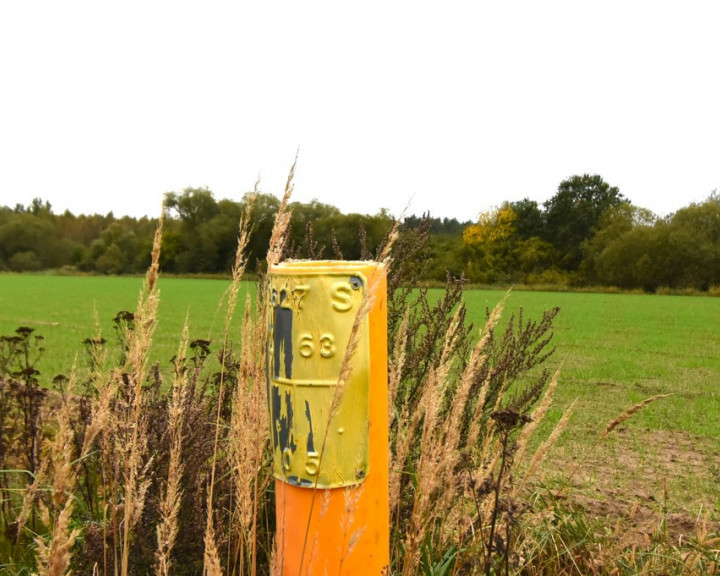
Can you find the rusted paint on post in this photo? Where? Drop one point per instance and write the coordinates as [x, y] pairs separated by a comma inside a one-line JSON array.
[[331, 470]]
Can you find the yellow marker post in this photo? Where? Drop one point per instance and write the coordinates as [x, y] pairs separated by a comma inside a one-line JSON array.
[[331, 470]]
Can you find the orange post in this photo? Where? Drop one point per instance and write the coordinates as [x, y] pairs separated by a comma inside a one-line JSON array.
[[330, 442]]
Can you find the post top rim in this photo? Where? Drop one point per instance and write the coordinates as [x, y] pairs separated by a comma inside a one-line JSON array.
[[324, 265]]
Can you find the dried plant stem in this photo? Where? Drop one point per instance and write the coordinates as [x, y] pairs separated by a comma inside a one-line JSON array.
[[250, 436], [139, 341], [543, 450], [350, 539], [536, 418], [211, 558], [612, 425], [29, 497], [278, 237], [54, 558], [629, 412], [396, 369], [167, 529], [429, 468], [478, 359], [101, 424], [238, 269]]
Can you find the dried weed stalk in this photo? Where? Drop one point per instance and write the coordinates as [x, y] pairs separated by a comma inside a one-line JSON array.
[[629, 413], [457, 420], [53, 557], [250, 439], [238, 270], [136, 464], [167, 528]]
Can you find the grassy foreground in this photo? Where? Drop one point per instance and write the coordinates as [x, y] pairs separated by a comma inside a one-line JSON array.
[[661, 467], [613, 350], [656, 471]]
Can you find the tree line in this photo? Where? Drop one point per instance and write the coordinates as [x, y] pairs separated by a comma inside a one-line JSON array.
[[586, 234], [200, 235], [589, 234]]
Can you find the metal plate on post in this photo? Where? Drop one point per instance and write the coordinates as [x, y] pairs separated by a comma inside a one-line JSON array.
[[310, 318]]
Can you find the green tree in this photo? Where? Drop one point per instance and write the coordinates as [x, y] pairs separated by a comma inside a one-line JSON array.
[[115, 251], [491, 246], [312, 223], [223, 228], [446, 249], [529, 220], [26, 261], [446, 256], [112, 260], [144, 229], [612, 226], [535, 259], [694, 245], [359, 235], [633, 259], [573, 212], [195, 207], [496, 250], [40, 208], [681, 251], [82, 229], [27, 234]]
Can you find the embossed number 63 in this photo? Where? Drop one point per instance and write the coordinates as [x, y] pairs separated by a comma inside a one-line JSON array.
[[325, 345]]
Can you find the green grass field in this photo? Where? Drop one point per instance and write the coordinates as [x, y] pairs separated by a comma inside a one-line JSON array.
[[613, 350], [616, 349], [63, 310]]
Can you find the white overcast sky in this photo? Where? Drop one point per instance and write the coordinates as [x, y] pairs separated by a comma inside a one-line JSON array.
[[447, 107]]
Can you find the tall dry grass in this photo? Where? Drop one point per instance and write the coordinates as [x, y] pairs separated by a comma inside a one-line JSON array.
[[435, 414], [171, 498], [154, 460], [135, 471], [461, 419], [58, 470]]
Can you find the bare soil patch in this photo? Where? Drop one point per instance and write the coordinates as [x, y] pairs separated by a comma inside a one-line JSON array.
[[647, 484]]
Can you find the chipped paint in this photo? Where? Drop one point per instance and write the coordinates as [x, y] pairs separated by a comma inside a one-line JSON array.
[[312, 317]]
